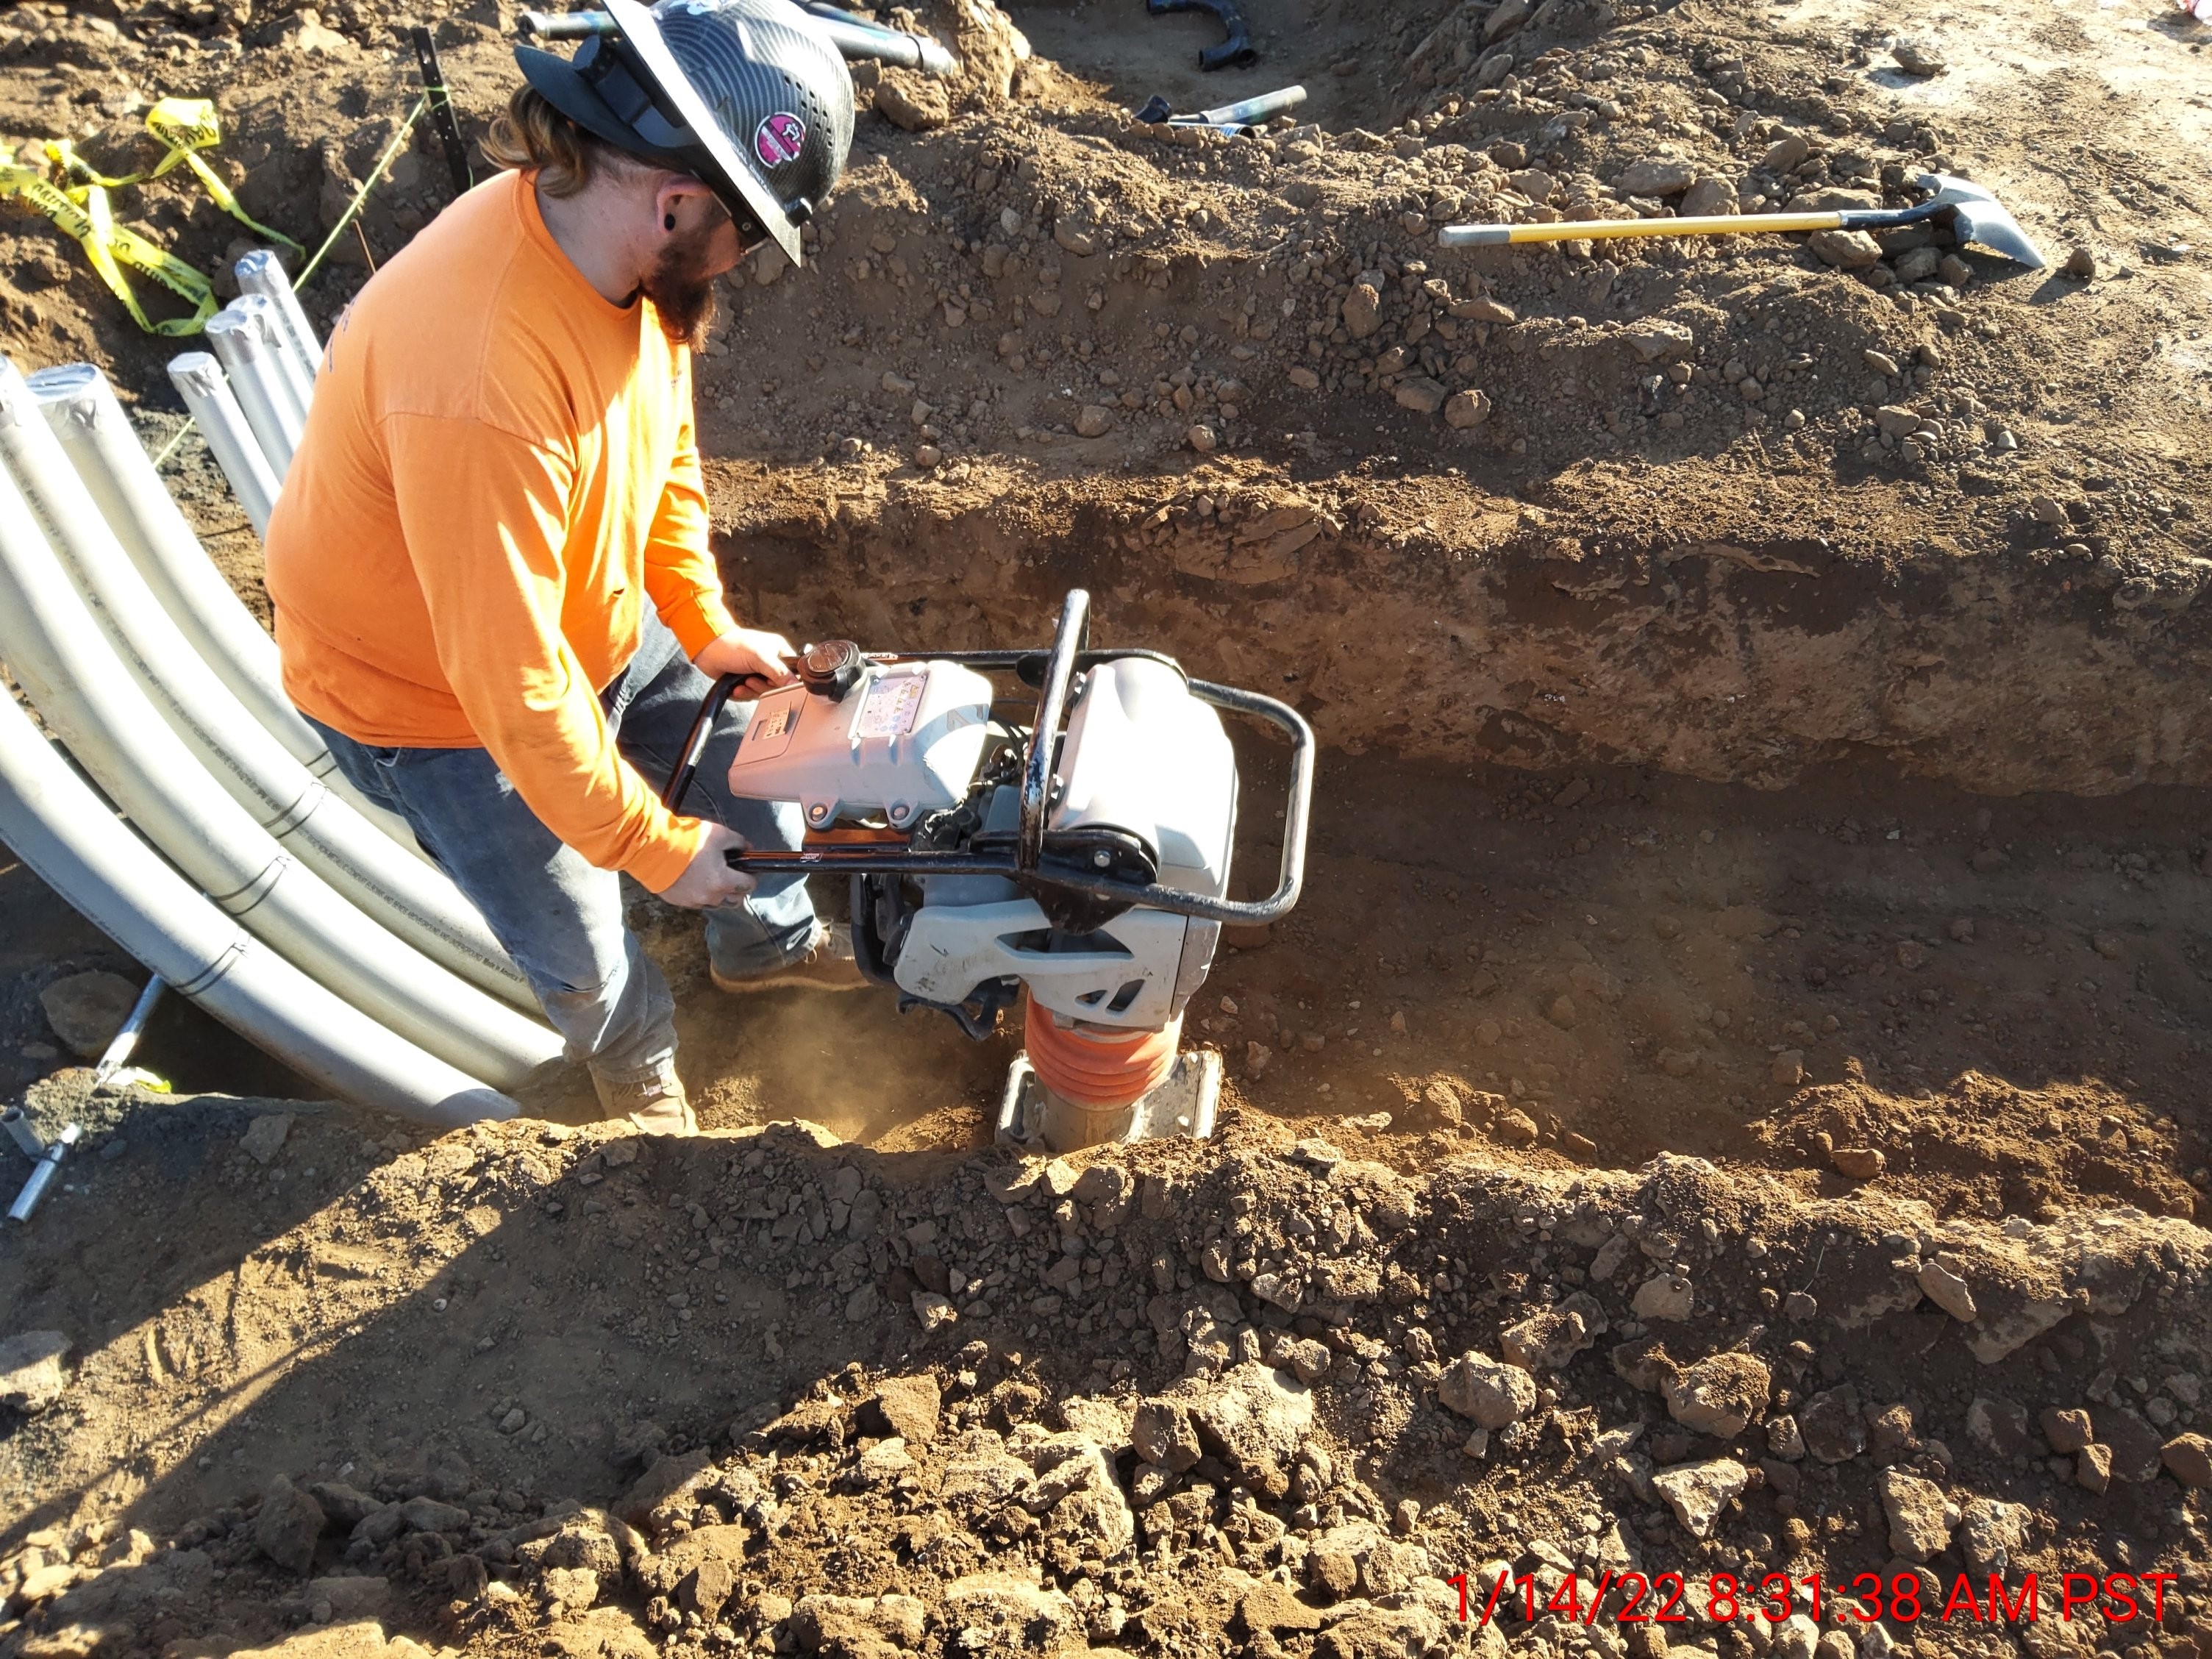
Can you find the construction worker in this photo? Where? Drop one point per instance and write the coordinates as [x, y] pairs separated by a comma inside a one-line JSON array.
[[494, 592]]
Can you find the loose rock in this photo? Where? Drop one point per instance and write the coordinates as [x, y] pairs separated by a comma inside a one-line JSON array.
[[1655, 176], [2133, 1443], [1546, 1341], [1786, 153], [1707, 196], [1665, 1296], [87, 1010], [912, 101], [1492, 1393], [1420, 394], [2067, 1432], [1948, 1290], [2000, 1424], [1721, 1395], [1163, 1433], [1255, 1419], [264, 1136], [1514, 1127], [906, 1407], [1467, 407], [2188, 1459], [1915, 58], [1834, 1431], [1920, 1516], [2093, 1467], [1847, 250], [288, 1526], [1699, 1492], [1859, 1163], [31, 1376], [1992, 1533], [1363, 311]]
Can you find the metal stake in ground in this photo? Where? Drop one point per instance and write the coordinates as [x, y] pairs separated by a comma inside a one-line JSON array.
[[124, 1043], [43, 1171], [442, 109], [1242, 117]]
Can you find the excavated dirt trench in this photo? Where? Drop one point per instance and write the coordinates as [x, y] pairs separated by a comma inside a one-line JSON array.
[[1597, 961], [1653, 965]]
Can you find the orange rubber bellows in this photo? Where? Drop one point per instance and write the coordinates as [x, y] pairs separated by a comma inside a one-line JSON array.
[[1093, 1069]]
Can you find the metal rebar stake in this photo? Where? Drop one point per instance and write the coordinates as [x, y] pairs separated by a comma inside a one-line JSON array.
[[43, 1176], [124, 1043]]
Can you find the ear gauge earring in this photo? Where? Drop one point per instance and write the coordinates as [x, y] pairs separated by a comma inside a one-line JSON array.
[[668, 223]]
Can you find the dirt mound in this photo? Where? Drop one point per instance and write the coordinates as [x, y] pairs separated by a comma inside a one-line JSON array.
[[1719, 505], [768, 1389], [2018, 1152]]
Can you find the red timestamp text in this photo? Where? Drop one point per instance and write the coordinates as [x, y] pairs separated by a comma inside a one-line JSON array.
[[1905, 1598]]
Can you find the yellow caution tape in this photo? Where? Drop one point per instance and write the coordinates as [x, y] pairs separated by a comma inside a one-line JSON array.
[[84, 214], [187, 126], [62, 153]]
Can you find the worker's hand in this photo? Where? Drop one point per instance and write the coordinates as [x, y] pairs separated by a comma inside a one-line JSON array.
[[708, 882], [761, 659]]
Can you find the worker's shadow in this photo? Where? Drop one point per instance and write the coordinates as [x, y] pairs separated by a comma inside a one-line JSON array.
[[504, 1317]]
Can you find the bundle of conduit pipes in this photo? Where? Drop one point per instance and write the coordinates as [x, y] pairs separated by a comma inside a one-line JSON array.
[[248, 393], [215, 842], [204, 827]]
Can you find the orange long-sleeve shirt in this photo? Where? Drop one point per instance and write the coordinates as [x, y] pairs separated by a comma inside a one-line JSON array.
[[499, 469]]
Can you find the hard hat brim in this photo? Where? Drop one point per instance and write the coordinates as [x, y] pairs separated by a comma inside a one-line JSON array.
[[558, 82], [643, 33]]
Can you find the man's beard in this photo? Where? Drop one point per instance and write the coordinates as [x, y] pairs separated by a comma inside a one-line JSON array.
[[681, 288]]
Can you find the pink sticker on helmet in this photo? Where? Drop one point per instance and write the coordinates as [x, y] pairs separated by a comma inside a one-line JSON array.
[[779, 139]]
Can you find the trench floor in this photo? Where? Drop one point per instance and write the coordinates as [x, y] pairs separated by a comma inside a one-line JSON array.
[[1633, 963]]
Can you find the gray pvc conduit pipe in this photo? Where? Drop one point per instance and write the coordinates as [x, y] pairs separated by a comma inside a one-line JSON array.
[[199, 376], [287, 367], [403, 894], [242, 340], [55, 823], [81, 408], [58, 655], [105, 451], [854, 39], [262, 272]]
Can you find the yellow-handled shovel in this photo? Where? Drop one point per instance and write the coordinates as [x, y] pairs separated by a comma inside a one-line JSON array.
[[1978, 218]]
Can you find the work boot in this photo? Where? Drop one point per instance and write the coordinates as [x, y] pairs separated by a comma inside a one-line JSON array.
[[827, 965], [652, 1105]]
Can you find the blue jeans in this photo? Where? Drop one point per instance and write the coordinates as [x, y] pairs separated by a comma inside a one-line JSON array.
[[560, 918]]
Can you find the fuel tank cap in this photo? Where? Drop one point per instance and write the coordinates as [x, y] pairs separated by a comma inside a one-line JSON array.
[[831, 669]]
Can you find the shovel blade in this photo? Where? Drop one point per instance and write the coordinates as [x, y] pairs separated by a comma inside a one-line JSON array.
[[1987, 225], [1979, 218]]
